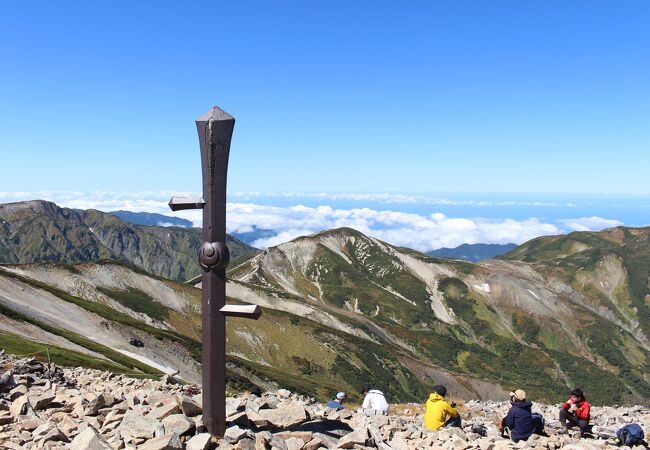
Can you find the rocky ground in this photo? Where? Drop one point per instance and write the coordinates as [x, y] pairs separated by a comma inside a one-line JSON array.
[[75, 408]]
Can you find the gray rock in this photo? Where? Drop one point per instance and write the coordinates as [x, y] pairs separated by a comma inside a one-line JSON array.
[[178, 423], [42, 401], [356, 437], [284, 416], [21, 407], [163, 411], [199, 442], [170, 441], [89, 439], [235, 434], [264, 440], [190, 407], [17, 392], [284, 393], [140, 427], [55, 434]]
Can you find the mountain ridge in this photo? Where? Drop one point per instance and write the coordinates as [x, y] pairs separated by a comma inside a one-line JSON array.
[[39, 231], [473, 252], [345, 308]]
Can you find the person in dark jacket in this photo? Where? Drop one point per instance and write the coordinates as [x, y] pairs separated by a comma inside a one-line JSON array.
[[519, 421]]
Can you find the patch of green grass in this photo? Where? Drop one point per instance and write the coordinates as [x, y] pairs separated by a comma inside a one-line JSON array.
[[18, 345], [137, 301], [526, 327], [82, 341]]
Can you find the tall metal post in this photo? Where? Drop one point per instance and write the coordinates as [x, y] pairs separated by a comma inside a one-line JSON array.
[[215, 132]]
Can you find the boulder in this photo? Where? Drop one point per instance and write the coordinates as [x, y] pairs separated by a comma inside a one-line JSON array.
[[163, 411], [357, 437], [89, 439], [42, 401], [178, 423], [140, 427], [21, 407], [190, 407], [235, 434], [170, 441], [264, 440], [284, 416], [199, 442]]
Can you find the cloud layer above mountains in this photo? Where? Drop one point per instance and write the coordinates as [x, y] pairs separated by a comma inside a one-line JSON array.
[[421, 231]]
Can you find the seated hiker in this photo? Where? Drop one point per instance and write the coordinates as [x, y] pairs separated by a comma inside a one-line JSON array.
[[520, 423], [337, 403], [438, 413], [374, 404], [575, 412]]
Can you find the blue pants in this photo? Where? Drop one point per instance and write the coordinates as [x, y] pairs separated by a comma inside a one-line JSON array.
[[453, 422]]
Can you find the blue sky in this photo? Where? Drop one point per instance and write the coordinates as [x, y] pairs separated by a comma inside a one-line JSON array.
[[423, 123], [447, 96]]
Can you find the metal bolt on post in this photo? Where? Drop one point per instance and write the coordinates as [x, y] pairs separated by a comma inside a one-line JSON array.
[[215, 129]]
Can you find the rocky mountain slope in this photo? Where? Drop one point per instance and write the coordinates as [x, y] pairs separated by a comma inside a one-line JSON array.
[[40, 231], [75, 408], [509, 322], [342, 308], [109, 316], [152, 219]]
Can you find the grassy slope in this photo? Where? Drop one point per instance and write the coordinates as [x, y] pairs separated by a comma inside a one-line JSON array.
[[19, 345]]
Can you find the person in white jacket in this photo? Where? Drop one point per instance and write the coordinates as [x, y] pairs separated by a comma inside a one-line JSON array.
[[375, 403]]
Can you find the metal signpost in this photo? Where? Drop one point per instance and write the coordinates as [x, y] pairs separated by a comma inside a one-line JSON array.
[[215, 132]]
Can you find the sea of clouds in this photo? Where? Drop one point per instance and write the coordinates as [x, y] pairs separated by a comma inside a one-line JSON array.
[[299, 214]]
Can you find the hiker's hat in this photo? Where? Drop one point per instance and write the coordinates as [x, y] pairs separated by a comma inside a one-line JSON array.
[[518, 395]]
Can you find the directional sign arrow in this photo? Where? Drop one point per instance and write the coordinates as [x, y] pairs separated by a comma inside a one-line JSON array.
[[179, 203]]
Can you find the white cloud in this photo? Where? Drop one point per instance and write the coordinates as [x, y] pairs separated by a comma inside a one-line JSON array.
[[416, 231], [421, 232], [590, 223]]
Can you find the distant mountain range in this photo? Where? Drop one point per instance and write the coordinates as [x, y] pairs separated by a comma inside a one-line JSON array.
[[40, 231], [152, 219], [342, 308], [473, 252]]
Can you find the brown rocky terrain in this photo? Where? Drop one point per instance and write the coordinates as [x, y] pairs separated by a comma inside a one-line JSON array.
[[45, 406]]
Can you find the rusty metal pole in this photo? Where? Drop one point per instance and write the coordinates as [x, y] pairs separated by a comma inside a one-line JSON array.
[[215, 132]]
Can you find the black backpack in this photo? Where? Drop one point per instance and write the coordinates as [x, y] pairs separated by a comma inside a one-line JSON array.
[[481, 430], [631, 434]]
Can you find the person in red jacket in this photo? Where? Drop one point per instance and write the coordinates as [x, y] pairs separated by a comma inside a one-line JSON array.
[[575, 412]]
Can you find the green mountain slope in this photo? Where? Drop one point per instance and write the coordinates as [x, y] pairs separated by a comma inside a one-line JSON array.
[[73, 309], [342, 308], [39, 231], [510, 322]]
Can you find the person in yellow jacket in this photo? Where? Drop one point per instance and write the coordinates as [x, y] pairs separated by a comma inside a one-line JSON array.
[[438, 413]]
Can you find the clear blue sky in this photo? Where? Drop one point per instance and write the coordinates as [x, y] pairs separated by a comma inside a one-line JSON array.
[[524, 96]]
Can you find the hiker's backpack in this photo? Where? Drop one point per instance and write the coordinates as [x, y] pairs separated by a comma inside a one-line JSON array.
[[538, 423], [631, 434], [479, 429]]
